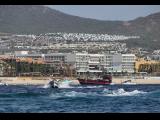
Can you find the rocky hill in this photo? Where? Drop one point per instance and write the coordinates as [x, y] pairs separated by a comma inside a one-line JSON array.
[[35, 19]]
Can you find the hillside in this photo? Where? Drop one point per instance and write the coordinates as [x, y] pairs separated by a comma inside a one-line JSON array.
[[29, 19]]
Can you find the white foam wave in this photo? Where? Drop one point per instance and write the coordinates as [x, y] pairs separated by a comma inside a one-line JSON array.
[[68, 84], [71, 84], [105, 92], [121, 92], [94, 86], [65, 84], [68, 94], [99, 86], [75, 94], [46, 86], [61, 85]]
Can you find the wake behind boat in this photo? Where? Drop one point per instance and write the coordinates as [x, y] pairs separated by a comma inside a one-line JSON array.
[[63, 83], [1, 83]]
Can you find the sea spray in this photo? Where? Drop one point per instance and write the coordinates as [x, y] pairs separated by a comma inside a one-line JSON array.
[[45, 86], [68, 84], [104, 92], [67, 94], [122, 92], [117, 98], [73, 94], [63, 84]]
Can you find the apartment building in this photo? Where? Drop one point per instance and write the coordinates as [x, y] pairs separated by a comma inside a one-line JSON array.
[[128, 63], [51, 58], [105, 62], [83, 62], [89, 62], [113, 62]]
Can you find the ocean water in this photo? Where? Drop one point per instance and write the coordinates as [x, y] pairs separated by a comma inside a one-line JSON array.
[[110, 99]]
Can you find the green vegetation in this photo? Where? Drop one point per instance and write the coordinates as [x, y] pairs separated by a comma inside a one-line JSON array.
[[13, 68], [149, 68]]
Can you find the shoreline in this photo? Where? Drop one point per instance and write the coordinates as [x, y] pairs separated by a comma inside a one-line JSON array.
[[137, 81], [27, 80], [45, 80]]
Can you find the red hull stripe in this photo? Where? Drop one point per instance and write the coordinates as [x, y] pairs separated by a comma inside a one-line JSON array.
[[100, 82]]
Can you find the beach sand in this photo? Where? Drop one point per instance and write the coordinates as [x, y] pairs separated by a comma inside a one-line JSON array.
[[26, 80], [45, 80], [137, 81]]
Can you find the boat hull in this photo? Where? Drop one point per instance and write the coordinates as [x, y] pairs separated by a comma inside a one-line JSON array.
[[93, 82]]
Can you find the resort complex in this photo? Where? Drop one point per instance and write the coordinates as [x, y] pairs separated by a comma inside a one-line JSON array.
[[72, 64]]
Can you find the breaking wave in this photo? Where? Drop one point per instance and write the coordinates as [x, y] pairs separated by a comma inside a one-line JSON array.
[[65, 85], [61, 85], [90, 86], [122, 92], [68, 85], [68, 94], [105, 92], [45, 86]]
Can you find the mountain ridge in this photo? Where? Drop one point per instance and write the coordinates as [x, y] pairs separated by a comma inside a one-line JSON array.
[[37, 19]]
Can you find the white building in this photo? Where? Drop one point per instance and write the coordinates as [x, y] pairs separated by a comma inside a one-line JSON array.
[[113, 62], [128, 62], [89, 62], [22, 52], [83, 62], [52, 58], [108, 62]]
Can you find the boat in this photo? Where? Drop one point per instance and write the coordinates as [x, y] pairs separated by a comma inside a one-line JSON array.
[[1, 83], [128, 82], [105, 80], [54, 84], [62, 83]]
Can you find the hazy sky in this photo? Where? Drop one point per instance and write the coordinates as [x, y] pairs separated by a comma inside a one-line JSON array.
[[108, 12]]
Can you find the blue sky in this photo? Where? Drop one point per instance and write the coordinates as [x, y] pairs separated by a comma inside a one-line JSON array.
[[108, 12]]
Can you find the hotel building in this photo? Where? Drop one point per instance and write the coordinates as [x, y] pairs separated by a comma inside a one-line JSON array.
[[85, 62], [105, 62]]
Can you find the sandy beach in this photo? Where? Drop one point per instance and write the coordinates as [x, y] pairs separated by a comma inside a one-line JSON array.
[[24, 80], [137, 81], [45, 80]]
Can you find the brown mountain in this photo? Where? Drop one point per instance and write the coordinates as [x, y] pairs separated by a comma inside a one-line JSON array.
[[26, 19]]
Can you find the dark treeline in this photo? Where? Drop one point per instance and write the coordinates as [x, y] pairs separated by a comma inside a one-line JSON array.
[[14, 68], [149, 68]]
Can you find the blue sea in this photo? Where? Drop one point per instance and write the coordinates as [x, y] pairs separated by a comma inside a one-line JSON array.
[[80, 99]]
